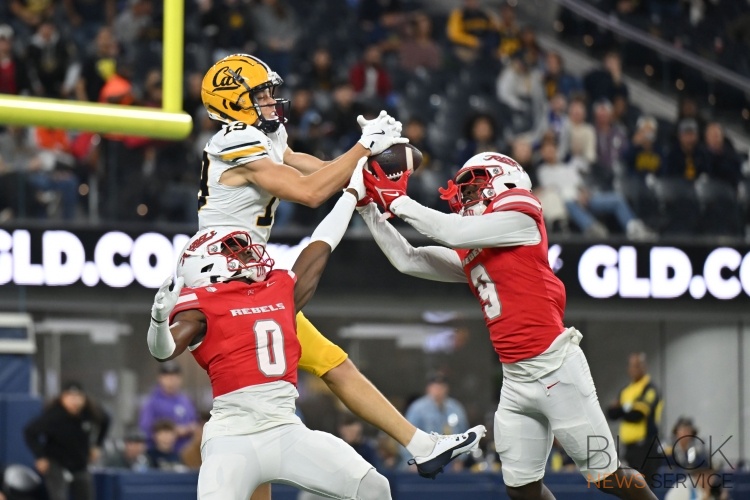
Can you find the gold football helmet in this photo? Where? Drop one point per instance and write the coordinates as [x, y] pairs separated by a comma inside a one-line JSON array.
[[228, 88]]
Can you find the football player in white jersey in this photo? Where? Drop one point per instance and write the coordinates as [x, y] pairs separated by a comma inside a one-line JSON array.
[[247, 168], [496, 242]]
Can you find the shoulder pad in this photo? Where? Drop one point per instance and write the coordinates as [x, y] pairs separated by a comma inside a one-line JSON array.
[[237, 144]]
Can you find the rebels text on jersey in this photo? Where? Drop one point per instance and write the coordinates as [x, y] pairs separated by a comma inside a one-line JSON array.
[[522, 299], [245, 206], [251, 335]]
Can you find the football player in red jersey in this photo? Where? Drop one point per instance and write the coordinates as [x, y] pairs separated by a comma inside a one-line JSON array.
[[239, 324], [547, 386], [238, 321]]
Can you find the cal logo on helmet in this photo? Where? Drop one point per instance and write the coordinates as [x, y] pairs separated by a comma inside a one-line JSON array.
[[224, 79]]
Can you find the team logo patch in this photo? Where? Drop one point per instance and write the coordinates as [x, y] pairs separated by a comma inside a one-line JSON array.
[[197, 243], [224, 79]]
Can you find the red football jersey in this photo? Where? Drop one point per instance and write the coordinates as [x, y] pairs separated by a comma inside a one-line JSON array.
[[522, 299], [252, 331]]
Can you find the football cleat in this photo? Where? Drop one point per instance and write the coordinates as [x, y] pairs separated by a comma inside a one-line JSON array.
[[447, 447]]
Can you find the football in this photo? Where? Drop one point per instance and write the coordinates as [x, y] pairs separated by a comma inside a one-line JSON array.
[[397, 159]]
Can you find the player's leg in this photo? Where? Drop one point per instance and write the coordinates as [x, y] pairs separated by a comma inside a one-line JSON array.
[[570, 403], [323, 464], [262, 492], [523, 439], [328, 361], [231, 468]]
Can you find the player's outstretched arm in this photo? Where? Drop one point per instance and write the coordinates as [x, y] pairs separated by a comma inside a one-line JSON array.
[[497, 229], [432, 262], [312, 260], [166, 342]]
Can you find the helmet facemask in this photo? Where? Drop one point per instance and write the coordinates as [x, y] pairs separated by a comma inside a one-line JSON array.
[[215, 258], [281, 106], [244, 259]]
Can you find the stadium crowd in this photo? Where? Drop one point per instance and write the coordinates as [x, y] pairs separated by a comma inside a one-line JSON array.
[[462, 81]]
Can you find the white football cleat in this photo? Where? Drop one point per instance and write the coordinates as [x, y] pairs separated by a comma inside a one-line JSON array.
[[447, 447]]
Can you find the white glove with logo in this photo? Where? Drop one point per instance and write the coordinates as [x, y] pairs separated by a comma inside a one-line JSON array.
[[166, 299], [160, 341], [380, 133]]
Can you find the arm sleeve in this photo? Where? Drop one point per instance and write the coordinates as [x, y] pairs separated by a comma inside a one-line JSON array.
[[496, 229], [456, 32], [432, 262], [332, 228]]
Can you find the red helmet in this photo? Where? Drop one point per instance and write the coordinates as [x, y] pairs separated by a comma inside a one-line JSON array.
[[483, 177]]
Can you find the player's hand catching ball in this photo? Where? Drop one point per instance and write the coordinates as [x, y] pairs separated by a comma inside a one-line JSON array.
[[383, 190], [381, 133], [166, 299]]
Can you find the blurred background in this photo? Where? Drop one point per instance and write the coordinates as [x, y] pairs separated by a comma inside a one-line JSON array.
[[631, 116]]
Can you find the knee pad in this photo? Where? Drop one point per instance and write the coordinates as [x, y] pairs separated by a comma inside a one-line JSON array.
[[374, 486]]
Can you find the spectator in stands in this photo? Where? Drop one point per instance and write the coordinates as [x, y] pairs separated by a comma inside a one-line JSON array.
[[53, 170], [611, 144], [520, 87], [606, 83], [623, 115], [64, 439], [132, 455], [320, 76], [343, 113], [687, 108], [585, 205], [277, 30], [685, 158], [436, 411], [472, 32], [351, 430], [639, 408], [133, 23], [424, 184], [98, 67], [28, 14], [510, 33], [723, 161], [369, 77], [558, 124], [645, 155], [418, 49], [227, 27], [694, 459], [480, 135], [556, 79], [14, 76], [87, 17], [378, 20], [52, 61], [168, 402], [582, 148], [162, 454]]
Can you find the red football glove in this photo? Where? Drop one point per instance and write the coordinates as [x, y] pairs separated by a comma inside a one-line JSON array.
[[366, 200], [383, 190]]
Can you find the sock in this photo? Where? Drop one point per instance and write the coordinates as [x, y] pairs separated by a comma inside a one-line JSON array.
[[421, 444]]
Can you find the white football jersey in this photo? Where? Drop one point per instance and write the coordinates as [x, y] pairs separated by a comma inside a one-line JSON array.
[[245, 206]]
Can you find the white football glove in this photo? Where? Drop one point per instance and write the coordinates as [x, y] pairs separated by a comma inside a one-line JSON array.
[[380, 133], [166, 299], [357, 182]]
